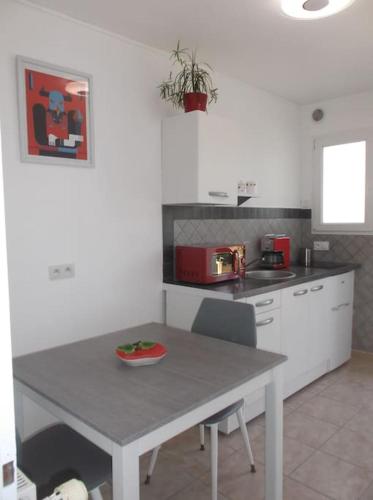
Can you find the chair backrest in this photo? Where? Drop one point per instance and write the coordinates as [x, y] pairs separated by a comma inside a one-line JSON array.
[[226, 320]]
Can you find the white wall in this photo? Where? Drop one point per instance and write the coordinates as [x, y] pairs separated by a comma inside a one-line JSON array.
[[7, 434], [342, 114], [107, 220]]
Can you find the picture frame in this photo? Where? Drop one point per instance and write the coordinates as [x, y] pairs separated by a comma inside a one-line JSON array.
[[55, 114]]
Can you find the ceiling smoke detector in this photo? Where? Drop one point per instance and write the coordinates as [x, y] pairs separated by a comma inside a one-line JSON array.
[[313, 9]]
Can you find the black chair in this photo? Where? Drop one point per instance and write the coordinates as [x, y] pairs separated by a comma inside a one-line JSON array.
[[234, 322], [57, 454]]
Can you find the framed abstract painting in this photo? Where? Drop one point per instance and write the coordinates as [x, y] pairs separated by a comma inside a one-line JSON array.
[[55, 114]]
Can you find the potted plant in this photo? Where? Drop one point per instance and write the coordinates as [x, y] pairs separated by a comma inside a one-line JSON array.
[[191, 88]]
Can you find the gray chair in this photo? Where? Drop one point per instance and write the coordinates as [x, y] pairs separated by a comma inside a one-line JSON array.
[[57, 454], [234, 322]]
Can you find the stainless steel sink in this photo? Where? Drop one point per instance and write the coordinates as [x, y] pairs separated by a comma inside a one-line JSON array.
[[269, 274]]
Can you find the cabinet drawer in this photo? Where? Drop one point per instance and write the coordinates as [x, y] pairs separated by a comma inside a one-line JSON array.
[[268, 331], [265, 302]]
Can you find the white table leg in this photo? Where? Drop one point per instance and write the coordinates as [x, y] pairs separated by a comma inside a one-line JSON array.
[[126, 476], [273, 438]]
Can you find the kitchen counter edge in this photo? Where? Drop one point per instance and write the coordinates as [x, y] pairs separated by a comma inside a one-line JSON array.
[[242, 288]]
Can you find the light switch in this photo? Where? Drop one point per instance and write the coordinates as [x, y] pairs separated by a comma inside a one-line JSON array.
[[61, 271], [321, 245], [8, 473]]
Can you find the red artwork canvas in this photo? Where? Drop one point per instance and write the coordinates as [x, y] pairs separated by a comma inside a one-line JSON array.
[[56, 112]]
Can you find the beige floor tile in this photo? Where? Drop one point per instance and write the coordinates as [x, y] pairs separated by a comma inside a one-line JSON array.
[[361, 358], [187, 447], [234, 440], [333, 477], [321, 383], [295, 452], [352, 447], [359, 375], [362, 423], [367, 405], [368, 493], [196, 491], [297, 491], [199, 490], [300, 397], [328, 410], [308, 430], [236, 481], [171, 474], [351, 393]]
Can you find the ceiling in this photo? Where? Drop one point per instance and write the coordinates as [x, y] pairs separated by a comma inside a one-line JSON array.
[[304, 61]]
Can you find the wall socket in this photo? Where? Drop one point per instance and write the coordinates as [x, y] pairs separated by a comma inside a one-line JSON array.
[[61, 271], [321, 245]]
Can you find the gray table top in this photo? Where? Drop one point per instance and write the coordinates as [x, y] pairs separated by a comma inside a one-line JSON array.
[[124, 403]]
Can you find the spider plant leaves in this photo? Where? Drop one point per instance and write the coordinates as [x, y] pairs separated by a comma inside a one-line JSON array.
[[193, 76]]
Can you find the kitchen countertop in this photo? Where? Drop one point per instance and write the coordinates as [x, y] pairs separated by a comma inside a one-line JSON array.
[[248, 287]]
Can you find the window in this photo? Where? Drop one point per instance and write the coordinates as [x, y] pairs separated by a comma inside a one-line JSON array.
[[342, 198]]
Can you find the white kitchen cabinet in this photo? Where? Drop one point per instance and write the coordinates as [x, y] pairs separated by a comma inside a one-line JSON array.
[[294, 312], [200, 159], [305, 332], [341, 312], [318, 328], [311, 323]]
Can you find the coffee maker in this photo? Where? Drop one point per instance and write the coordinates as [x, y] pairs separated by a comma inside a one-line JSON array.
[[275, 251]]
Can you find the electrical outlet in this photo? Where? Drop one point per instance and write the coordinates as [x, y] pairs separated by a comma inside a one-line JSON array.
[[321, 245], [61, 271]]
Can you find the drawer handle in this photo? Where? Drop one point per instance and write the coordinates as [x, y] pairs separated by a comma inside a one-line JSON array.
[[317, 288], [265, 322], [337, 308], [300, 292], [264, 303], [219, 194]]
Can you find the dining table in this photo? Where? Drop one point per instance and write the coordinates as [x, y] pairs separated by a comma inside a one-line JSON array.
[[128, 411]]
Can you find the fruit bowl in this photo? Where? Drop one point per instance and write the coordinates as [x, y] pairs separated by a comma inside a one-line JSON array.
[[141, 353]]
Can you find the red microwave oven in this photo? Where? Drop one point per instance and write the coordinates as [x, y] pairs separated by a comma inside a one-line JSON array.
[[209, 264]]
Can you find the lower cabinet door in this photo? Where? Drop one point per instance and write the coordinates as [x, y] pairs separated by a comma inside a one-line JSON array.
[[340, 334], [318, 326], [294, 321]]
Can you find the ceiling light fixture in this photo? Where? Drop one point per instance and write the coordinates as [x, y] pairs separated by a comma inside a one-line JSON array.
[[313, 9]]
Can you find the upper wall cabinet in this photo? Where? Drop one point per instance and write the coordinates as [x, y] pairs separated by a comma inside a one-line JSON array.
[[199, 159]]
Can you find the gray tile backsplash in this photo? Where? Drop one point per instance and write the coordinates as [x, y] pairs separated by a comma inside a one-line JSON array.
[[249, 231], [196, 225]]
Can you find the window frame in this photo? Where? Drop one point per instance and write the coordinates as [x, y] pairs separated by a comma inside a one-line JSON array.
[[317, 192]]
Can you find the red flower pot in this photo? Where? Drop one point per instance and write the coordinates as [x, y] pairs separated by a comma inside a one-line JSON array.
[[195, 101]]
